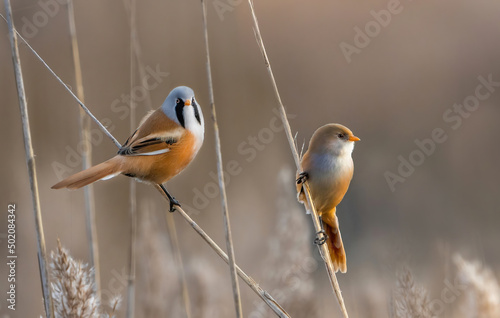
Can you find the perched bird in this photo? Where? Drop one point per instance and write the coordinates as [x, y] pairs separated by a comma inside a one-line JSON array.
[[166, 141], [327, 167]]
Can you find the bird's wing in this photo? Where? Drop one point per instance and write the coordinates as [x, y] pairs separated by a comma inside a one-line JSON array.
[[156, 135], [149, 146]]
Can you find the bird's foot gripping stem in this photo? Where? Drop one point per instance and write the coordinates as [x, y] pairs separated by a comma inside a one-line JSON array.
[[173, 201], [303, 176], [321, 236]]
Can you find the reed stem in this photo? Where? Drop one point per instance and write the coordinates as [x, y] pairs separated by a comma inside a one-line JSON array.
[[88, 191], [30, 162], [323, 249], [220, 173]]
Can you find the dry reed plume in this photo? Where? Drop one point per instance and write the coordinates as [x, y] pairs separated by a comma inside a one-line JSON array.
[[409, 300], [481, 288], [73, 288]]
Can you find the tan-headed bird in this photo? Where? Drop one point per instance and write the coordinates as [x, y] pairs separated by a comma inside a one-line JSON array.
[[327, 167]]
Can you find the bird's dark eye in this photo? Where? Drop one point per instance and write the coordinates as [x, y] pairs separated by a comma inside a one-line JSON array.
[[177, 101], [341, 135]]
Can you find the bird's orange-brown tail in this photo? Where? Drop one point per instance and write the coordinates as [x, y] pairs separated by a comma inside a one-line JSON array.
[[334, 241], [105, 170]]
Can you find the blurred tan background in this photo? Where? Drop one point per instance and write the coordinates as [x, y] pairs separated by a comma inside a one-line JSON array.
[[394, 90]]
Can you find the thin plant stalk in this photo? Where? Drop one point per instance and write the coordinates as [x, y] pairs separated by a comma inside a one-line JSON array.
[[132, 184], [174, 243], [86, 157], [82, 105], [136, 61], [220, 172], [264, 295], [136, 48], [30, 162], [325, 254]]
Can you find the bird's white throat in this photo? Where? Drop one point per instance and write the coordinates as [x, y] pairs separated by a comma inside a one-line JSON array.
[[195, 127]]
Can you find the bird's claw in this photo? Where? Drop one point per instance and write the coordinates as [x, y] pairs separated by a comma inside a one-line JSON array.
[[303, 176], [173, 204], [321, 238]]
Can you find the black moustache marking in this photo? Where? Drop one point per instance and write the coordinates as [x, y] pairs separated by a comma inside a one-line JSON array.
[[178, 111], [196, 113]]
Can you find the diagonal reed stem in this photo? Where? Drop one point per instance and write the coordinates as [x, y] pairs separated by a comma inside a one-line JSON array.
[[264, 295], [132, 184], [220, 172], [322, 248], [86, 157], [30, 162], [82, 105]]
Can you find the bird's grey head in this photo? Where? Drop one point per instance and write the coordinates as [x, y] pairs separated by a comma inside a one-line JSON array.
[[181, 106]]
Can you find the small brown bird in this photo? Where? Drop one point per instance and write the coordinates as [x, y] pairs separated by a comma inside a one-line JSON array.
[[327, 167], [166, 141]]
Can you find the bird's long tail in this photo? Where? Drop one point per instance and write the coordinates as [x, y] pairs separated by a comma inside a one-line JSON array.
[[106, 170], [335, 245]]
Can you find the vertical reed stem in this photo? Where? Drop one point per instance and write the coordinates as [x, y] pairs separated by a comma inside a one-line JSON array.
[[30, 162], [322, 248], [88, 191], [264, 295], [174, 242], [132, 182], [220, 172]]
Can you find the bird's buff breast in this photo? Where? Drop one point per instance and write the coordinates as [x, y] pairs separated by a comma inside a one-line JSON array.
[[329, 181]]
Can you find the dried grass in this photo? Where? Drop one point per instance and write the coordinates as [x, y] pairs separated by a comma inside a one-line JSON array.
[[72, 286], [409, 300], [481, 288]]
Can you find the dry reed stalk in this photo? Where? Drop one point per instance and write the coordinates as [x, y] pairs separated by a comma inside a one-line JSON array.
[[158, 292], [85, 122], [136, 49], [289, 253], [72, 286], [174, 242], [409, 300], [82, 105], [220, 173], [132, 184], [136, 57], [264, 295], [30, 162], [325, 254], [482, 287]]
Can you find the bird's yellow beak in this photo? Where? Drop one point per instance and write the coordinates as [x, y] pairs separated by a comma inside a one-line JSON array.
[[354, 138], [188, 102]]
